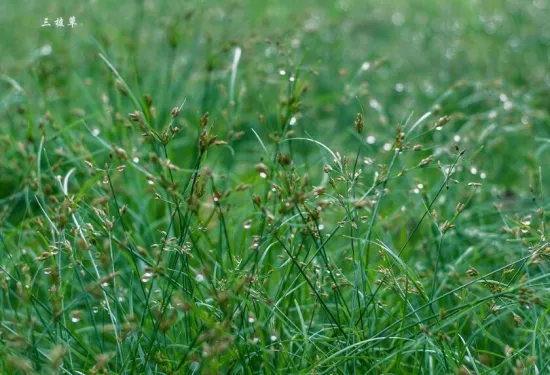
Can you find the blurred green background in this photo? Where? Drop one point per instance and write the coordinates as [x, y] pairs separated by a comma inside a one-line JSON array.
[[390, 60], [262, 69]]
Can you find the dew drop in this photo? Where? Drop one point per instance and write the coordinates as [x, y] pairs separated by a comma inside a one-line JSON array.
[[95, 132], [135, 159], [247, 224], [456, 138], [47, 271], [387, 146], [473, 170], [374, 104], [398, 19], [371, 139], [46, 50], [194, 366], [146, 277], [292, 121], [282, 72], [263, 174], [76, 316]]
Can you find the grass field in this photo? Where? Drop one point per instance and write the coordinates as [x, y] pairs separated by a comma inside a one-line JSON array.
[[279, 187]]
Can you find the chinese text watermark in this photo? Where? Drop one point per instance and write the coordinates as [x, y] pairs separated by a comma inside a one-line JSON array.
[[59, 22]]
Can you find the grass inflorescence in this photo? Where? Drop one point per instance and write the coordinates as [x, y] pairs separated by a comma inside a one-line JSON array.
[[309, 188]]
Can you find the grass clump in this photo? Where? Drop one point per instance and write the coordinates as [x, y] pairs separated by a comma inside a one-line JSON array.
[[244, 189]]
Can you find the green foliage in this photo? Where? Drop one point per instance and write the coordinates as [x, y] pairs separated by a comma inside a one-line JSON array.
[[247, 187]]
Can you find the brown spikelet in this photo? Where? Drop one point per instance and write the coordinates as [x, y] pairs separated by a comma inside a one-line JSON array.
[[426, 161], [204, 120], [358, 124], [175, 112], [442, 121]]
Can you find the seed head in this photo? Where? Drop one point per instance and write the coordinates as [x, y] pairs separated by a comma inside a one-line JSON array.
[[204, 120], [472, 272], [446, 226], [261, 167], [517, 319], [426, 161], [134, 116], [242, 187], [175, 112], [358, 124], [148, 100], [120, 87], [257, 200], [121, 153], [442, 121]]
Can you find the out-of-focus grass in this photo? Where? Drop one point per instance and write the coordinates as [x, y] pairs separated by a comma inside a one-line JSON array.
[[272, 236]]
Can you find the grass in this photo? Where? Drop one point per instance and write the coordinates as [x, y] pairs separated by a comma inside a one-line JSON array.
[[309, 187]]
